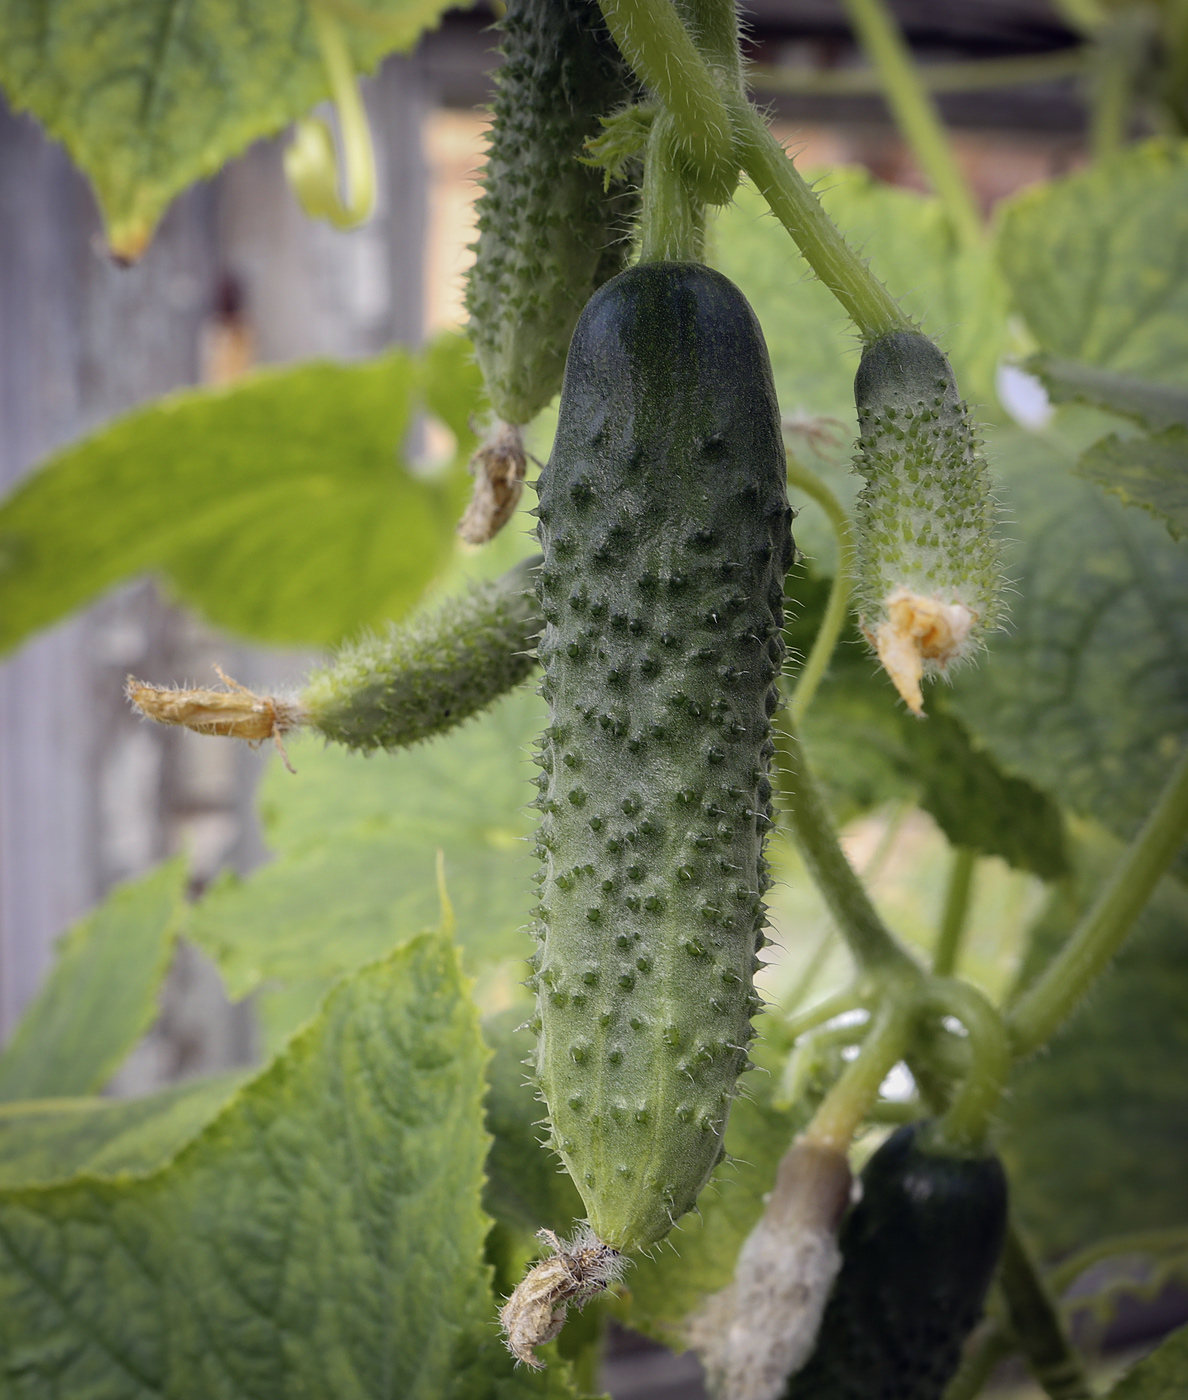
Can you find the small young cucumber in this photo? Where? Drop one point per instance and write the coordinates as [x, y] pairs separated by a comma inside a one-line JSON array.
[[930, 569], [918, 1254], [431, 673], [549, 234], [665, 527]]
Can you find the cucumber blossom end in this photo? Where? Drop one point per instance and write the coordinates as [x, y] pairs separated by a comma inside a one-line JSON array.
[[929, 560], [574, 1272]]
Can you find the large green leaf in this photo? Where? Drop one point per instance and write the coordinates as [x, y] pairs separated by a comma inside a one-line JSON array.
[[149, 97], [1151, 472], [1155, 406], [281, 507], [323, 1236], [357, 841], [1097, 262], [1086, 693], [1159, 1376], [1095, 1129], [47, 1140], [101, 995]]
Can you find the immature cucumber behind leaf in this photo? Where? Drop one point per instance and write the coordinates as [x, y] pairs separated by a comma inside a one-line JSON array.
[[665, 527], [918, 1253], [930, 569], [549, 234]]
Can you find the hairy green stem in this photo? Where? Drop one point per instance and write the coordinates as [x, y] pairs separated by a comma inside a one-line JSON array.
[[868, 303], [849, 999], [1119, 53], [847, 1103], [672, 217], [1064, 983], [971, 75], [1036, 1322], [916, 114], [660, 49], [964, 1123], [874, 948], [955, 917], [837, 608]]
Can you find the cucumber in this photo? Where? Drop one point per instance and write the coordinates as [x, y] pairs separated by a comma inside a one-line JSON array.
[[929, 561], [664, 521], [549, 234], [918, 1254], [430, 674]]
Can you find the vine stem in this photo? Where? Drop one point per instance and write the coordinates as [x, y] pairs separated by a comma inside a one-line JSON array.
[[964, 1123], [1155, 1242], [672, 218], [1036, 1323], [660, 49], [868, 303], [987, 1348], [837, 608], [847, 1103], [916, 114], [1064, 983], [955, 918], [874, 948], [970, 75]]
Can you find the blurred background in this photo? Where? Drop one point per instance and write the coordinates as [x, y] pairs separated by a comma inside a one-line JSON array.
[[237, 276]]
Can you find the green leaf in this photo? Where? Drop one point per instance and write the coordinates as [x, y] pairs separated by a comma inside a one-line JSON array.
[[1149, 472], [280, 507], [1096, 262], [101, 995], [357, 841], [49, 1140], [1155, 406], [1159, 1376], [1095, 1130], [1086, 693], [149, 97], [322, 1236]]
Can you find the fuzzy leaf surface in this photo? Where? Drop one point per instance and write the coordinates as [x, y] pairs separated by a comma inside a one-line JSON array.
[[357, 840], [149, 97], [101, 995], [1159, 1376], [322, 1236], [1096, 262], [280, 507], [1151, 472], [48, 1140], [1095, 1129], [1086, 693]]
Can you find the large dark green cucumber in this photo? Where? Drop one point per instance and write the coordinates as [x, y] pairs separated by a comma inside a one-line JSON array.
[[918, 1254], [665, 527], [549, 234]]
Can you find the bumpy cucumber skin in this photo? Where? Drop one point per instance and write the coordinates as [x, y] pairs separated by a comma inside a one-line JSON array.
[[549, 235], [666, 532], [926, 515], [918, 1254], [430, 674]]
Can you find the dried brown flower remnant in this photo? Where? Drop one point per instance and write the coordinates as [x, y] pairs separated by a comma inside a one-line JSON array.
[[235, 711], [576, 1271], [920, 630], [498, 467]]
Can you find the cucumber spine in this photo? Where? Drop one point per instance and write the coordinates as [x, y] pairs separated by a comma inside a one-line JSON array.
[[666, 535]]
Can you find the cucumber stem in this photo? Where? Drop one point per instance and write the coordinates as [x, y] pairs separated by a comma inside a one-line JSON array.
[[1036, 1322], [916, 114], [672, 217], [867, 302], [963, 1125], [874, 948], [1066, 981], [955, 917], [847, 1103], [659, 48], [838, 605]]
